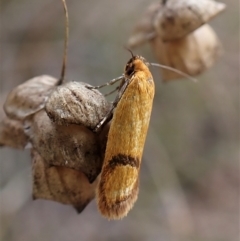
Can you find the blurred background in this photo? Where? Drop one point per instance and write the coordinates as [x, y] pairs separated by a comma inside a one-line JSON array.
[[189, 184]]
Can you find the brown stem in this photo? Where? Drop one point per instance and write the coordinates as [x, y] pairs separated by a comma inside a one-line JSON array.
[[65, 43]]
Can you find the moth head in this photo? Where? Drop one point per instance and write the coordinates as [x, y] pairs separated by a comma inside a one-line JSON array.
[[135, 64]]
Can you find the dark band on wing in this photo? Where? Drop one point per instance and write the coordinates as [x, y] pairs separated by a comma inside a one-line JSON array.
[[122, 159]]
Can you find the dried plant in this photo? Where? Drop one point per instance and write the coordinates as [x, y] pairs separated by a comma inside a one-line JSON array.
[[30, 97], [66, 154], [61, 149], [60, 184], [175, 31], [12, 134], [74, 103], [192, 54]]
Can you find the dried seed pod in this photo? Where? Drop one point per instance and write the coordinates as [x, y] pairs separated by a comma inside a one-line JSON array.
[[29, 97], [73, 103], [11, 131], [61, 184], [145, 30], [72, 146], [12, 134], [176, 18], [192, 54]]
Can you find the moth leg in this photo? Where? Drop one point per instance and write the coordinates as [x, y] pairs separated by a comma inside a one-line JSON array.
[[111, 92], [110, 112], [111, 82]]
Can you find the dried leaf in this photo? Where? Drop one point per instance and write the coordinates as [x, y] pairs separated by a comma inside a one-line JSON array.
[[29, 97], [73, 103], [176, 18], [61, 184], [72, 146], [192, 54]]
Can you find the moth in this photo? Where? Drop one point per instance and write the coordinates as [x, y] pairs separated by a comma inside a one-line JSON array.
[[118, 187]]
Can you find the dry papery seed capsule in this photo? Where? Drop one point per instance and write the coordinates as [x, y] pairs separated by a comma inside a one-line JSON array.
[[73, 146], [173, 20], [61, 184], [12, 134], [144, 31], [192, 54], [177, 18], [74, 103], [29, 97], [11, 131]]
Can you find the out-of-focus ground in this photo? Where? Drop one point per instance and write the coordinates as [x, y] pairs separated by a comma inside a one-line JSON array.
[[189, 188]]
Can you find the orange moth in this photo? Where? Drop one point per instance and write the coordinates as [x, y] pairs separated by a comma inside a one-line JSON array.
[[118, 187]]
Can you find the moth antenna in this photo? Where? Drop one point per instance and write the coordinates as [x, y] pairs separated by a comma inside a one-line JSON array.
[[129, 51], [65, 43], [174, 70]]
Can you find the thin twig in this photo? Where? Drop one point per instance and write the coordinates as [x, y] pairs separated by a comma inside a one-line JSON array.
[[65, 44]]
